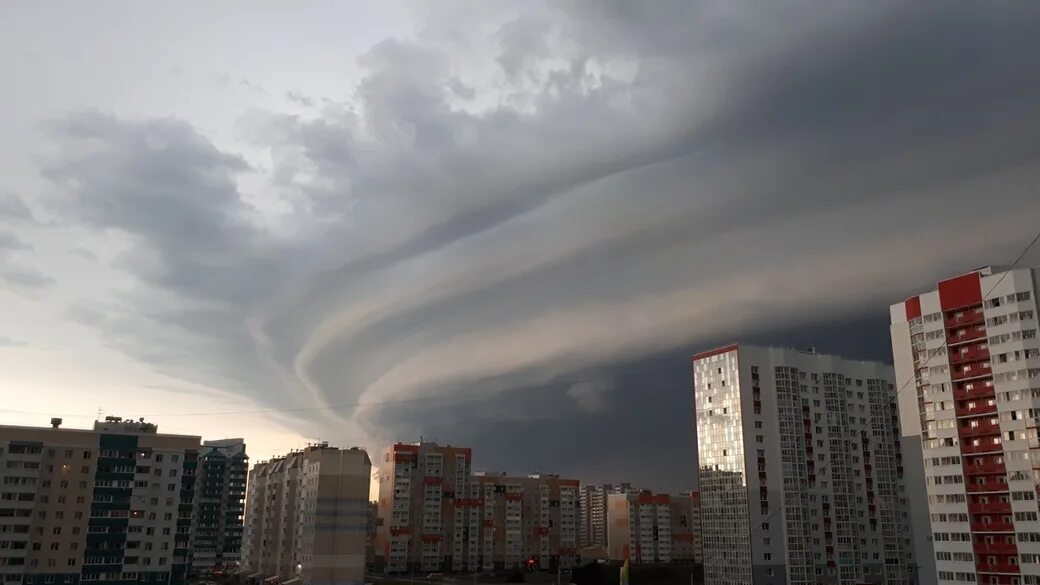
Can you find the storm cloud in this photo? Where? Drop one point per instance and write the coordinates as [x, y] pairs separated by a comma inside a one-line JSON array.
[[517, 248]]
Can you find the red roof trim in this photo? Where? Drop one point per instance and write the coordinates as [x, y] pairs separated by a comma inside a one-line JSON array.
[[720, 350]]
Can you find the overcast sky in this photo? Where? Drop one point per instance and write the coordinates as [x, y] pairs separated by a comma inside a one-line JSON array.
[[499, 224]]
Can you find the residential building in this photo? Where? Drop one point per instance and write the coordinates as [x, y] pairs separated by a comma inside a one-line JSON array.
[[800, 468], [370, 534], [644, 527], [111, 504], [425, 492], [970, 354], [694, 528], [592, 511], [306, 517], [220, 505], [527, 521]]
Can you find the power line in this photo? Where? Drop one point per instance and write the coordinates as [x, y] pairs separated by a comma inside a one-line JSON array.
[[913, 377]]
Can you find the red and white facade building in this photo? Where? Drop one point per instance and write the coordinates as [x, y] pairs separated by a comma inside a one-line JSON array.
[[971, 348]]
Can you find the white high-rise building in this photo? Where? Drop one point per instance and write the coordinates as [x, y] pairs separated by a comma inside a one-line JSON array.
[[800, 469], [971, 348]]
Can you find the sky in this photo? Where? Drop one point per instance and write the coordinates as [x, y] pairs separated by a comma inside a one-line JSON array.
[[505, 225]]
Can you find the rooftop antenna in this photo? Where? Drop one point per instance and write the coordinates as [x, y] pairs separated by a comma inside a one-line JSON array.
[[99, 413]]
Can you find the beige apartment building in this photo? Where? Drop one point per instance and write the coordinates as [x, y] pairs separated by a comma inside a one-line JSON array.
[[426, 510], [103, 505], [592, 512], [530, 521], [306, 517], [644, 527]]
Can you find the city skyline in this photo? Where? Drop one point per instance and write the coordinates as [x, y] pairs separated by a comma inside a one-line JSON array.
[[503, 225]]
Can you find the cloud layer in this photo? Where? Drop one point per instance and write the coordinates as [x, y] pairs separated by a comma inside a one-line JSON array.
[[511, 237]]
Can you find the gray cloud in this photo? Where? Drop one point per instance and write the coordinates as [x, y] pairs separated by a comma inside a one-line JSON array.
[[300, 98], [8, 342], [534, 254], [13, 208], [24, 279]]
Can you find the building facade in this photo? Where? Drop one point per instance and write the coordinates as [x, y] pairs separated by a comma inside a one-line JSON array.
[[112, 504], [971, 348], [306, 517], [592, 512], [800, 469], [644, 527], [527, 521], [425, 516], [220, 505]]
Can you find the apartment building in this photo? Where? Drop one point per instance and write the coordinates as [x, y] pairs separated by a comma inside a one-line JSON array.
[[800, 469], [426, 514], [970, 351], [644, 527], [527, 521], [306, 517], [111, 504], [694, 540], [592, 512], [220, 505]]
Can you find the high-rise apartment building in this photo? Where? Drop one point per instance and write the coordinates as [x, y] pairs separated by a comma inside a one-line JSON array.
[[426, 509], [644, 527], [592, 512], [800, 469], [971, 349], [112, 504], [306, 517], [527, 521], [220, 494]]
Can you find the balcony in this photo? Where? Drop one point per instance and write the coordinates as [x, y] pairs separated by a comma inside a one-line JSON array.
[[973, 354], [992, 527], [986, 488], [966, 335], [995, 548], [976, 410], [989, 507], [976, 372], [984, 448], [979, 431], [1006, 568], [979, 391], [984, 468], [973, 317]]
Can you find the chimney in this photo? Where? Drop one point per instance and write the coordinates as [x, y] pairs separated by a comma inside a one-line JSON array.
[[55, 422]]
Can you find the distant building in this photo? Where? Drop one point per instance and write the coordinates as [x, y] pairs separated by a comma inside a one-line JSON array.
[[370, 534], [306, 517], [423, 525], [527, 521], [644, 527], [108, 505], [970, 351], [220, 504], [695, 528], [800, 468], [592, 510]]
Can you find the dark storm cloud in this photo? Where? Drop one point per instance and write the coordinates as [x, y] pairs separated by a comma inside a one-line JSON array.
[[529, 277], [28, 280]]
